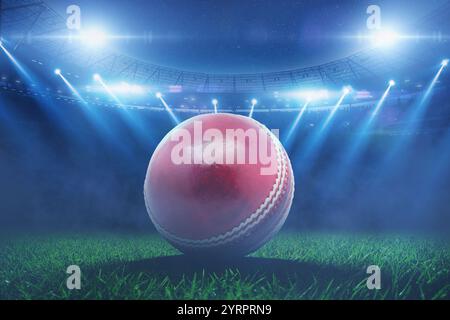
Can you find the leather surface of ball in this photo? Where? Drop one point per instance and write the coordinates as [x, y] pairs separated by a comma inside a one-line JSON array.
[[219, 184]]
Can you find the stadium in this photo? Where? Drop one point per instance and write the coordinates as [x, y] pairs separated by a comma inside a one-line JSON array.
[[366, 127]]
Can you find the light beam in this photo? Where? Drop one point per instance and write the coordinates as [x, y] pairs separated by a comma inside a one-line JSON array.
[[297, 121], [215, 102], [98, 78], [167, 107], [412, 123], [70, 86], [254, 103], [310, 150], [355, 147], [16, 63], [345, 92]]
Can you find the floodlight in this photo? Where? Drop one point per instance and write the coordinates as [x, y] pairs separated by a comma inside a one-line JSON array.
[[385, 38], [93, 38], [347, 90]]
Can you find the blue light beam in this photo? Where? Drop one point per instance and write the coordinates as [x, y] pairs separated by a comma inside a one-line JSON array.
[[215, 103], [427, 94], [330, 117], [316, 141], [51, 111], [98, 78], [252, 109], [16, 64], [355, 149], [351, 153], [69, 85], [168, 109], [138, 128], [390, 161], [417, 111], [296, 122]]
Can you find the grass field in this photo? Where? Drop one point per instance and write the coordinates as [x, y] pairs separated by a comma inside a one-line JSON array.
[[292, 266]]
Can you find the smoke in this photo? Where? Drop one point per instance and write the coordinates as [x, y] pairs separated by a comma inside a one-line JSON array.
[[51, 181]]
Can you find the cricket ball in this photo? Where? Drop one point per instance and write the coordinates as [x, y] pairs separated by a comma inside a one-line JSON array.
[[219, 185]]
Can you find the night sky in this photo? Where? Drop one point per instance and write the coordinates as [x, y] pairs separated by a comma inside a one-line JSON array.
[[241, 35]]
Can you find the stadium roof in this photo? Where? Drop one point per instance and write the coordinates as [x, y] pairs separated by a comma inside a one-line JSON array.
[[32, 23]]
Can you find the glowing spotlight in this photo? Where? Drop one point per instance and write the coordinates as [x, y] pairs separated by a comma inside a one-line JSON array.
[[127, 89], [312, 94], [254, 103], [413, 118], [313, 145], [296, 121], [444, 63], [93, 38], [107, 88], [426, 96], [361, 140], [70, 86], [215, 102], [385, 38], [168, 109], [347, 90], [17, 64], [336, 107], [379, 105]]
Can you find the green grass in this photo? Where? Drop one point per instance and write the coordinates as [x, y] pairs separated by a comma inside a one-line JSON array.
[[292, 266]]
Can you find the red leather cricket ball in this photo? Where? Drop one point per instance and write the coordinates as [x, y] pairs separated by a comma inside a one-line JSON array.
[[219, 184]]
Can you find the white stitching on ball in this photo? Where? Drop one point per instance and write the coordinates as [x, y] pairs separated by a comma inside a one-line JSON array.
[[244, 226]]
